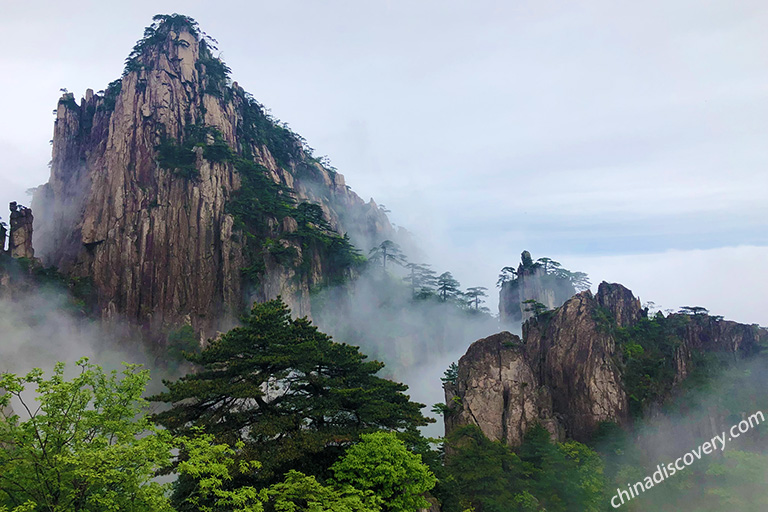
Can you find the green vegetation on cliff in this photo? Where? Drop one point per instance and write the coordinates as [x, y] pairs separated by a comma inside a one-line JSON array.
[[489, 476], [315, 252], [26, 274], [647, 354]]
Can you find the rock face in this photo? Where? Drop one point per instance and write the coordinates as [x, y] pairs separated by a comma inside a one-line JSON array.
[[623, 307], [498, 390], [565, 373], [531, 282], [20, 241], [704, 333], [143, 181], [574, 356]]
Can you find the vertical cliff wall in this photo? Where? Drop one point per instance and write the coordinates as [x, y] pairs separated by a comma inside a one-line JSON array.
[[531, 281], [181, 199]]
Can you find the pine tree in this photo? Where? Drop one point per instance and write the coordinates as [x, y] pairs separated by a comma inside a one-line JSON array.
[[421, 279], [387, 251], [475, 295], [293, 395], [447, 287]]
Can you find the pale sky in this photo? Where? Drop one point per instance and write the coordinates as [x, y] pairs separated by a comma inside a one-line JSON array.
[[624, 139]]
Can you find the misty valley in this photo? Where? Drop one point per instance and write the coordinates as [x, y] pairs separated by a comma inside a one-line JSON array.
[[197, 313]]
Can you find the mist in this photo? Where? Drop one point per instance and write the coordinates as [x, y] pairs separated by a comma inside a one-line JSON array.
[[734, 478], [41, 325], [416, 339]]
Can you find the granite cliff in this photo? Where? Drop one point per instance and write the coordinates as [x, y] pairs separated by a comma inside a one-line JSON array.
[[182, 200], [571, 371], [542, 281]]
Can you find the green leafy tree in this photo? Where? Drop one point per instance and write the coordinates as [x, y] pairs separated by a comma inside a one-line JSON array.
[[483, 475], [580, 281], [648, 350], [448, 287], [295, 397], [88, 445], [694, 310], [180, 341], [387, 252], [301, 492], [311, 214], [564, 477], [382, 464], [212, 466], [549, 268], [490, 477], [451, 374]]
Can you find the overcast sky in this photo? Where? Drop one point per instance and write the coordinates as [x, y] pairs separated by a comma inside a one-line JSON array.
[[628, 140]]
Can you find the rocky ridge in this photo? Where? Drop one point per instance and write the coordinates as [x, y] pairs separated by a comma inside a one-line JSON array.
[[566, 374]]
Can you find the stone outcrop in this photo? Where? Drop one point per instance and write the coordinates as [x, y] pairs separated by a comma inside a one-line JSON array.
[[160, 242], [498, 390], [574, 357], [704, 333], [569, 363], [531, 282], [20, 239], [624, 308]]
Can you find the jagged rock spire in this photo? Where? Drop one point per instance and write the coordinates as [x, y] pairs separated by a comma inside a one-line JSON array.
[[20, 244]]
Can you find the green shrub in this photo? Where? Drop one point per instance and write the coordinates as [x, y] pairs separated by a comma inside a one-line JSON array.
[[180, 156]]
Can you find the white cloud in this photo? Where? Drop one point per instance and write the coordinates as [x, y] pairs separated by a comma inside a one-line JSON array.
[[729, 281]]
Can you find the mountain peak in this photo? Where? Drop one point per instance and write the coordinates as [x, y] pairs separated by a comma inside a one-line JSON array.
[[182, 180], [175, 43]]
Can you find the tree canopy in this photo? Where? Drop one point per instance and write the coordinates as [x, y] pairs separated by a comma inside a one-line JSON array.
[[448, 287], [421, 279], [475, 297], [382, 464], [294, 396], [488, 476], [87, 446], [90, 446], [546, 267], [387, 251]]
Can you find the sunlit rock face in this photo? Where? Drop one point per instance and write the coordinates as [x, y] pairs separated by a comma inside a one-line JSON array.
[[574, 357], [498, 390], [565, 372], [162, 247]]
